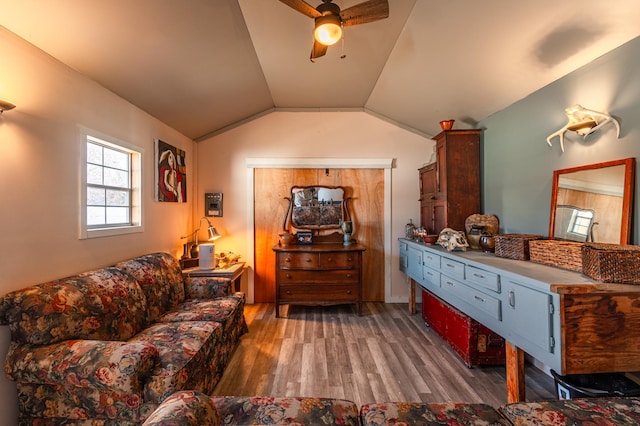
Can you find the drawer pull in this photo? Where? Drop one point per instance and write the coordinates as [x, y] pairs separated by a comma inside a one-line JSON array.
[[348, 291], [478, 298], [308, 260], [288, 275], [475, 274], [349, 275], [329, 259], [288, 259], [450, 283], [350, 259], [448, 265], [288, 292], [512, 299]]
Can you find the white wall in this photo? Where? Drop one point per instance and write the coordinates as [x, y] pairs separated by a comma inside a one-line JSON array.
[[344, 135], [40, 172]]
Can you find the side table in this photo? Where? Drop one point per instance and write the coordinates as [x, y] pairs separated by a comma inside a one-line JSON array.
[[233, 272]]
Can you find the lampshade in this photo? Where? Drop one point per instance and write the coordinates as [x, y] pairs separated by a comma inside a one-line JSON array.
[[5, 106], [582, 128], [328, 29], [213, 233]]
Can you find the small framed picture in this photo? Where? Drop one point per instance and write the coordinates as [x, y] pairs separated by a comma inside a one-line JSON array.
[[304, 237]]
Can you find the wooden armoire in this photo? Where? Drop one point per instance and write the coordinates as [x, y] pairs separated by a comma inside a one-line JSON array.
[[450, 187]]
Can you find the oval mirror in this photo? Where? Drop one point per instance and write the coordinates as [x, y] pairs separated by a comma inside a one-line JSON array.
[[593, 202]]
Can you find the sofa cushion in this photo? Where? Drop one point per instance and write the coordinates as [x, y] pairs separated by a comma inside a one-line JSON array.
[[422, 413], [160, 277], [228, 311], [595, 411], [106, 304], [185, 408], [285, 410], [188, 357]]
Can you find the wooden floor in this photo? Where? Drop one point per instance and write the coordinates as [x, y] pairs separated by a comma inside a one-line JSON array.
[[384, 355]]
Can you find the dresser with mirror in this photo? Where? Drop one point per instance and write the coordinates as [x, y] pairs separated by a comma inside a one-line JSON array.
[[320, 265]]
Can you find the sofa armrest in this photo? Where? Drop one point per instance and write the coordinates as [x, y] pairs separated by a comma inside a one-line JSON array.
[[207, 287], [97, 364], [186, 408]]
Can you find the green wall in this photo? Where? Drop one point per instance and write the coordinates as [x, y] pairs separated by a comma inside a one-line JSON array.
[[518, 164]]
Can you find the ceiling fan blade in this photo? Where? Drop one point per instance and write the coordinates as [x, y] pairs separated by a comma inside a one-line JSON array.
[[369, 11], [302, 7], [318, 50]]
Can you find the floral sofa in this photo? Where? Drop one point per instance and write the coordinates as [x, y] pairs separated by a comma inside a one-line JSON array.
[[188, 408], [108, 346]]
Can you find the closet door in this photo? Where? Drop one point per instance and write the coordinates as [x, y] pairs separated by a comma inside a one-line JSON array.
[[365, 186]]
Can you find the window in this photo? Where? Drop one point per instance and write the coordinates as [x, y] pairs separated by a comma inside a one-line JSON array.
[[111, 198]]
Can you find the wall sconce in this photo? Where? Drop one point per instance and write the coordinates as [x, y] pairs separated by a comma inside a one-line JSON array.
[[584, 122], [5, 106]]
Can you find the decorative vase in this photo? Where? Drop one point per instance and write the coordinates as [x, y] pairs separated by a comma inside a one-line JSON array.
[[473, 237], [488, 243], [410, 230], [446, 124], [347, 229], [286, 238], [194, 251]]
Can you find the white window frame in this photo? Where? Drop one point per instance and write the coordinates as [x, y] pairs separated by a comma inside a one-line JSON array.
[[136, 185]]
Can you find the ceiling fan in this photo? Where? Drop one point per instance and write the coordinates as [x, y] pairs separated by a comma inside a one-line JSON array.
[[329, 19]]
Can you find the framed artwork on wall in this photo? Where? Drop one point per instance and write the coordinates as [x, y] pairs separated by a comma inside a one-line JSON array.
[[171, 173]]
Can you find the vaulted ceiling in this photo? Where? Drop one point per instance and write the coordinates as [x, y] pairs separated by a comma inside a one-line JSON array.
[[203, 66]]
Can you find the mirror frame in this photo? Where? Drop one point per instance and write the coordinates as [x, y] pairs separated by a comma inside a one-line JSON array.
[[627, 201]]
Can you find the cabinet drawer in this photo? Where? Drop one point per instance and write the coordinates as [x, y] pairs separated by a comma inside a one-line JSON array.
[[315, 293], [298, 260], [486, 304], [486, 279], [452, 268], [339, 260], [475, 298], [431, 276], [430, 259], [319, 277]]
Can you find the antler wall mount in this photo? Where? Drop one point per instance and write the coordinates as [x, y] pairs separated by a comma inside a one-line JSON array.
[[329, 19], [583, 121]]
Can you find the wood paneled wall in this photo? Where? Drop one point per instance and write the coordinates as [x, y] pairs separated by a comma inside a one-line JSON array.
[[365, 186]]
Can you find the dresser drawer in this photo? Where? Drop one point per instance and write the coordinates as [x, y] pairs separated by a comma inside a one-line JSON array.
[[298, 260], [318, 277], [317, 294], [452, 268], [486, 279], [339, 260]]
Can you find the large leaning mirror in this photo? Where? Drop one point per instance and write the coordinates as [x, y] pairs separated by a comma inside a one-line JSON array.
[[317, 207], [593, 202]]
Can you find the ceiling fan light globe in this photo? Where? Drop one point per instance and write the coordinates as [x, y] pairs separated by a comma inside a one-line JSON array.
[[328, 30]]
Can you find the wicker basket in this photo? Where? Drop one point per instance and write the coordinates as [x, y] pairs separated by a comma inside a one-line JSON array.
[[611, 263], [514, 246], [561, 254]]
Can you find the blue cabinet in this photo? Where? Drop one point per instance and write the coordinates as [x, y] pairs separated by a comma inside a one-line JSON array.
[[501, 294]]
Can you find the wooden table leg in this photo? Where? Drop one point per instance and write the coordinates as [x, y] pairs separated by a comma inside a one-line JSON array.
[[412, 296], [515, 373]]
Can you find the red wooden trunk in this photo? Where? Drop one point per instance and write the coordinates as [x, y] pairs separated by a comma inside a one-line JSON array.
[[475, 343]]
